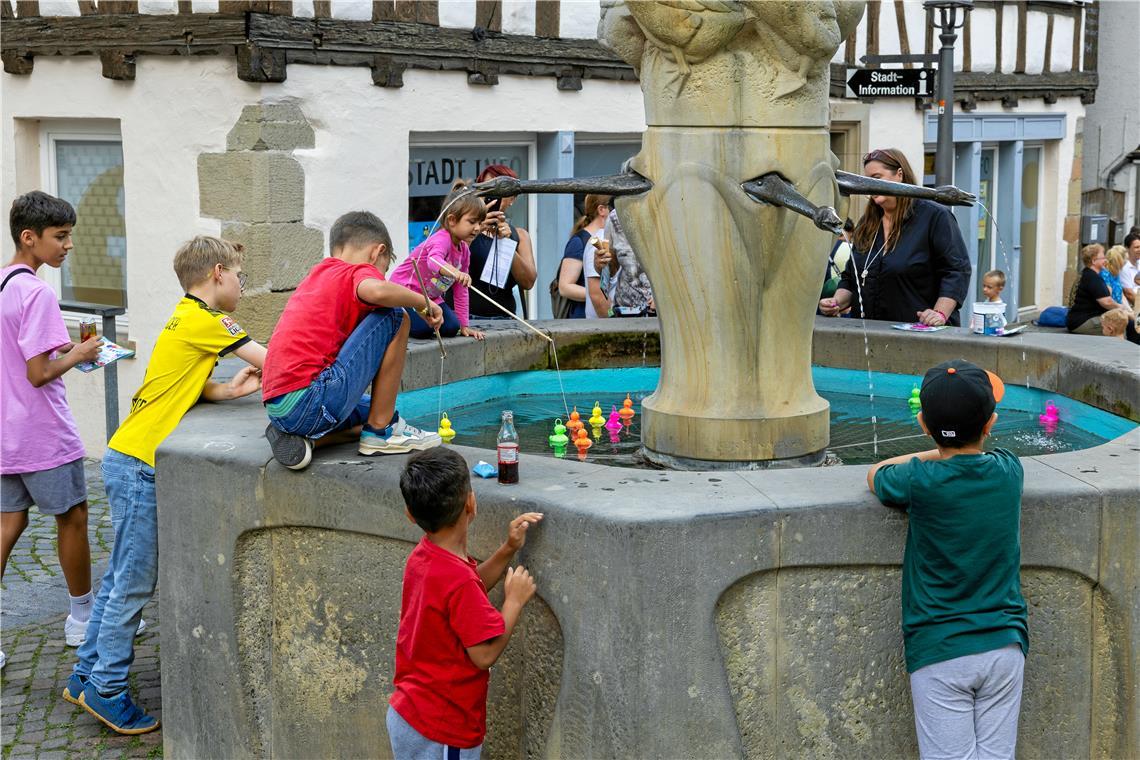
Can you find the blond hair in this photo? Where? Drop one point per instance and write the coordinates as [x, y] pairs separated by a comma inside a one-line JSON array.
[[1114, 322], [1089, 252], [592, 207], [1116, 256], [995, 274], [198, 256]]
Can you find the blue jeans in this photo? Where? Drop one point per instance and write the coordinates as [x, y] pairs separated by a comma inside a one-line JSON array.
[[337, 398], [410, 744], [106, 656], [449, 328]]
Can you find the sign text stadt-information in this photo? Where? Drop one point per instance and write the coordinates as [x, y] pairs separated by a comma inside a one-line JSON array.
[[888, 83]]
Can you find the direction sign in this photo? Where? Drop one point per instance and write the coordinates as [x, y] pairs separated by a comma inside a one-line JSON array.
[[887, 83]]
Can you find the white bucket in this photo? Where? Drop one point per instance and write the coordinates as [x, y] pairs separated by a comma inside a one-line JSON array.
[[987, 317]]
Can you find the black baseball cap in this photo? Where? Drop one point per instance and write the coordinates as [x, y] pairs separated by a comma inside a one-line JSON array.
[[957, 400]]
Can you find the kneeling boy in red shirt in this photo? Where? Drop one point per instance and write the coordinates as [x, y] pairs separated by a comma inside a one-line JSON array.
[[450, 634]]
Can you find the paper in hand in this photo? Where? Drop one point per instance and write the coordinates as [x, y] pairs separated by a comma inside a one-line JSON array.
[[499, 260]]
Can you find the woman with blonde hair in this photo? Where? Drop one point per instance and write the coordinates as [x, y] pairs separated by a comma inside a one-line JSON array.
[[908, 261], [571, 273], [1113, 262]]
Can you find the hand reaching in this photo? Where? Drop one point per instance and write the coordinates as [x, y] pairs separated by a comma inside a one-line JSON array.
[[88, 350], [471, 332], [246, 381], [434, 316], [516, 532], [519, 586]]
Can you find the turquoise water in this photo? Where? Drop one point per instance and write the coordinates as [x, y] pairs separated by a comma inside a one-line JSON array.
[[475, 406]]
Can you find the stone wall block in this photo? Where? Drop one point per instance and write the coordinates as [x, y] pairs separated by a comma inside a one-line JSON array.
[[270, 135], [277, 255], [251, 186], [257, 313]]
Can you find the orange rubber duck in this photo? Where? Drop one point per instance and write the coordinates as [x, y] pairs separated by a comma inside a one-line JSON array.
[[626, 412], [575, 424]]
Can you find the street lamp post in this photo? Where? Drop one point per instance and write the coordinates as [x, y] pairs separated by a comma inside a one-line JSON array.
[[948, 22]]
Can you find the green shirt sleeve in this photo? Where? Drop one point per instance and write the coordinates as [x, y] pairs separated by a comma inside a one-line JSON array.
[[892, 484]]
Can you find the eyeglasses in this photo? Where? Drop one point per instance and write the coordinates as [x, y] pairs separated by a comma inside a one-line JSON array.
[[242, 277], [881, 156]]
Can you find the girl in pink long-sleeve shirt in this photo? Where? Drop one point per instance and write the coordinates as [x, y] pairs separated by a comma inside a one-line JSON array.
[[443, 260]]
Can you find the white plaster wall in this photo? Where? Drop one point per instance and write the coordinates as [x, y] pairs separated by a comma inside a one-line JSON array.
[[457, 14], [1036, 25], [1009, 38], [518, 16], [896, 124], [983, 39], [579, 19], [178, 108], [1062, 57]]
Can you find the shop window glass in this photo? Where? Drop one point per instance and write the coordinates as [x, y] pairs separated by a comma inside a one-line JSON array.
[[432, 169], [89, 175]]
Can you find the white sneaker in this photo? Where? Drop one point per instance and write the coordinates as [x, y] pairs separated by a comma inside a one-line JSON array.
[[398, 438], [3, 660], [75, 632]]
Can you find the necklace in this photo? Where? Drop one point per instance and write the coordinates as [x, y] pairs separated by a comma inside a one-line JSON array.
[[871, 260]]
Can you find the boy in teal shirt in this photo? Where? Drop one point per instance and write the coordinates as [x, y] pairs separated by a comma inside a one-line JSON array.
[[964, 619]]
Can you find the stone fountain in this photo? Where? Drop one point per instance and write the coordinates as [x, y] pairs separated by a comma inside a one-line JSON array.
[[728, 206]]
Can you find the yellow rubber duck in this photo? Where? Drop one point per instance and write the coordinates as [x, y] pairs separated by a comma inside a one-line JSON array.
[[445, 431]]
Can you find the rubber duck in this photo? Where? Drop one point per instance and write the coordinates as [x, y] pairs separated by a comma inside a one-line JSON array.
[[559, 452], [558, 437], [575, 424], [1051, 416], [915, 402], [582, 440], [445, 430], [596, 418], [615, 436], [613, 424], [627, 410]]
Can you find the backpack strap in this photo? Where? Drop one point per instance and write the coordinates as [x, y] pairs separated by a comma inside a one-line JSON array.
[[13, 274]]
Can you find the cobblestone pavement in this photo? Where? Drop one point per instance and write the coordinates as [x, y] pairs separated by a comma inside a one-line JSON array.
[[35, 722]]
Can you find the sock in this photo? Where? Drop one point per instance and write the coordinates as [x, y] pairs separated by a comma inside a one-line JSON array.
[[81, 607]]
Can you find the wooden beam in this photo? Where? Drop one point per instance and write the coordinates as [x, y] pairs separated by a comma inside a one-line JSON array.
[[1076, 63], [17, 62], [904, 39], [185, 6], [873, 27], [1092, 31], [929, 31], [88, 7], [27, 8], [258, 64], [196, 34], [489, 15], [119, 6], [546, 21], [383, 10], [999, 10], [6, 11], [849, 48], [322, 8], [406, 11], [1048, 63], [427, 12], [118, 64], [967, 47], [1022, 23]]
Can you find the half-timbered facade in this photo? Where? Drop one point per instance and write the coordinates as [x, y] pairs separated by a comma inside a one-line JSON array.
[[263, 121]]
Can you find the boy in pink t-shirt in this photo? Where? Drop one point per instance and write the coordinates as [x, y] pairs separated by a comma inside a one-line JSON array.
[[42, 456]]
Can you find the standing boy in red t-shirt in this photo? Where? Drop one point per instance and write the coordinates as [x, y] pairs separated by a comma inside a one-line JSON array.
[[450, 634], [343, 332]]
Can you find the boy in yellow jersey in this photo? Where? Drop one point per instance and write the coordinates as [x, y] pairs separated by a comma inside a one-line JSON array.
[[177, 376]]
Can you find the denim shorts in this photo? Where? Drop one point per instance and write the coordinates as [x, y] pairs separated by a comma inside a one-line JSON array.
[[337, 398], [54, 491], [410, 744]]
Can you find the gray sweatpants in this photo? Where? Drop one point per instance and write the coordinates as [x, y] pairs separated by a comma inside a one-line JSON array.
[[967, 708]]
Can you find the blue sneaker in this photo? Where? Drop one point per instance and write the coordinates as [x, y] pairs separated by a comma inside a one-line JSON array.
[[73, 692], [118, 712]]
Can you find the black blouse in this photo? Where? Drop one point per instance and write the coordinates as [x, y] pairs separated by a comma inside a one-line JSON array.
[[481, 248], [928, 262]]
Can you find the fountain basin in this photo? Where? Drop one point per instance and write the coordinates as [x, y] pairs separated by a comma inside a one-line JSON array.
[[680, 614]]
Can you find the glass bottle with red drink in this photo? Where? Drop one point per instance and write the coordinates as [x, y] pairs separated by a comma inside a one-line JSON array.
[[507, 446]]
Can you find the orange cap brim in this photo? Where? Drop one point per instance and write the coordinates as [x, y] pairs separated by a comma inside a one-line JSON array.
[[997, 385]]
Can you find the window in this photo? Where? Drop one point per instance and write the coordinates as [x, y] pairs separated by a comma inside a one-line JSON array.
[[432, 169], [85, 168]]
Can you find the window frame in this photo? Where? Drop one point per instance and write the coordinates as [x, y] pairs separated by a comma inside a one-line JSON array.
[[53, 132], [528, 140]]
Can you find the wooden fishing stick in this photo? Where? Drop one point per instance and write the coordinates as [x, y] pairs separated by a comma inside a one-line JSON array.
[[427, 307]]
